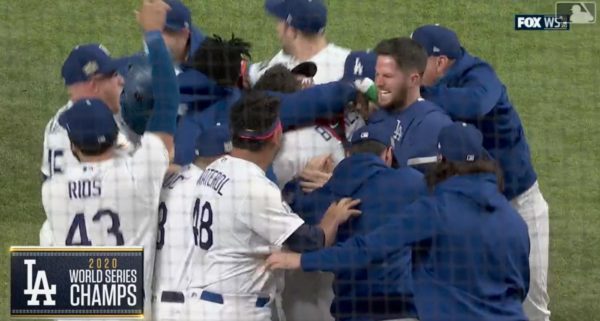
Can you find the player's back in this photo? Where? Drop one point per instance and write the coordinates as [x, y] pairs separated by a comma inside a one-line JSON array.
[[173, 239], [477, 264], [234, 229], [109, 203]]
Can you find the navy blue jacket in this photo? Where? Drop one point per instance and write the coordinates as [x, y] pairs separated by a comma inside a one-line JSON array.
[[196, 39], [381, 291], [471, 92], [415, 132], [208, 106], [470, 252]]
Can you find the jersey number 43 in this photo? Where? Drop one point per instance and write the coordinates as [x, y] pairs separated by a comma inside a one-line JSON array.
[[79, 227]]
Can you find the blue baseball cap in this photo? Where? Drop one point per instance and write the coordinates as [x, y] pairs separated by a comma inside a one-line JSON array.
[[215, 141], [90, 124], [461, 142], [359, 65], [438, 41], [179, 17], [373, 132], [86, 61], [309, 16]]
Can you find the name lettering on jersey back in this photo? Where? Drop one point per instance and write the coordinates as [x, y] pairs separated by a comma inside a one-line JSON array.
[[84, 188], [213, 179], [170, 180]]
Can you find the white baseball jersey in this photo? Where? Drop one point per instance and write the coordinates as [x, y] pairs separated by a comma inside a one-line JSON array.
[[57, 155], [302, 144], [299, 146], [330, 64], [109, 203], [239, 218], [174, 239]]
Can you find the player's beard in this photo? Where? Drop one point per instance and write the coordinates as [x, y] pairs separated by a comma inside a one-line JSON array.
[[400, 98]]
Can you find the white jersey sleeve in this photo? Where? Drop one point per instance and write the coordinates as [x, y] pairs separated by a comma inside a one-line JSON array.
[[57, 155], [271, 217], [300, 146], [149, 163]]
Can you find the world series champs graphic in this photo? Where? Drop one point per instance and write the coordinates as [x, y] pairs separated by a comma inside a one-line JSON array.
[[77, 282]]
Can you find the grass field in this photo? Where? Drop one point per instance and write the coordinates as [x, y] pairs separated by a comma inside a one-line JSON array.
[[552, 77]]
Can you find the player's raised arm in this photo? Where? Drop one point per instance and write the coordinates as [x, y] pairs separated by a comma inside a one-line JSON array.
[[152, 18]]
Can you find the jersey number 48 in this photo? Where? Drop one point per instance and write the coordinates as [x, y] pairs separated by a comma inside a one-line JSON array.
[[202, 220]]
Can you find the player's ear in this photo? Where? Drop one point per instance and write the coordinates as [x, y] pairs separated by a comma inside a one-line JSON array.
[[442, 64], [415, 79], [277, 138]]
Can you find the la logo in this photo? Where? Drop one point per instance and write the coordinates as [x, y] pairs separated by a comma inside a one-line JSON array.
[[39, 287], [358, 67]]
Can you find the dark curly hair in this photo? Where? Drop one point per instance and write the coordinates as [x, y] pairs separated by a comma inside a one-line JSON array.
[[221, 59]]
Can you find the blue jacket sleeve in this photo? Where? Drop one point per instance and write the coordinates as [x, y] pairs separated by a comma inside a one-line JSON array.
[[322, 101], [478, 94], [164, 85], [418, 222], [310, 207], [188, 131]]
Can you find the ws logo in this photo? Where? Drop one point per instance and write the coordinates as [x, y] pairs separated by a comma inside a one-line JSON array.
[[541, 22]]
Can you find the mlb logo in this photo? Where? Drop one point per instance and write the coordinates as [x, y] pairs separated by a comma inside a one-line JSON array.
[[578, 12]]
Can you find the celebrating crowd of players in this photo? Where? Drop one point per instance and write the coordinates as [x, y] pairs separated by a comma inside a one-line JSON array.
[[393, 184]]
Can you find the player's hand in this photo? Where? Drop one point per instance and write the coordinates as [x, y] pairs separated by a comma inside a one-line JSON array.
[[343, 209], [312, 179], [322, 163], [282, 260], [152, 15]]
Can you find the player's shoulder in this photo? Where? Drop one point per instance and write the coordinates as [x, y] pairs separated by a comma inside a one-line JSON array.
[[151, 146], [337, 51], [53, 125], [244, 174], [183, 178], [434, 114], [56, 184], [281, 58]]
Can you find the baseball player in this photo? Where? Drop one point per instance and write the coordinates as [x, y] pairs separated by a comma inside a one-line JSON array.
[[382, 291], [218, 61], [415, 122], [239, 217], [470, 247], [174, 217], [301, 31], [468, 89], [181, 37], [301, 144], [110, 199], [88, 72]]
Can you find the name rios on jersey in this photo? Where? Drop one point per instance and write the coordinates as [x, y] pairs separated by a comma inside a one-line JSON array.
[[213, 179]]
